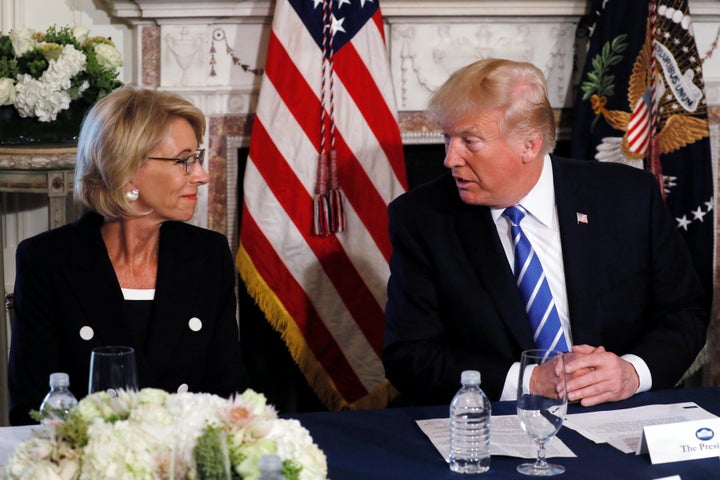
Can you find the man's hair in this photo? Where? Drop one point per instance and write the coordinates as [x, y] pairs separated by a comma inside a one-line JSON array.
[[115, 139], [515, 89]]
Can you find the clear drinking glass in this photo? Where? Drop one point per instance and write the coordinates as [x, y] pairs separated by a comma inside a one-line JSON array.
[[112, 369], [541, 413]]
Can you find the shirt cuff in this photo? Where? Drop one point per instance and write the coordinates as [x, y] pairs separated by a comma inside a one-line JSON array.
[[642, 370], [511, 382]]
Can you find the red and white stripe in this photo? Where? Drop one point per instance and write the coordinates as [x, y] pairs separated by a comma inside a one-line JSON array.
[[326, 294], [638, 133]]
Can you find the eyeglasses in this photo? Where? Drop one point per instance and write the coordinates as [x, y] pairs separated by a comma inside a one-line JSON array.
[[188, 162]]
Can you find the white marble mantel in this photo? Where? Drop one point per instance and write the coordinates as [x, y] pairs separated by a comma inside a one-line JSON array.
[[164, 11]]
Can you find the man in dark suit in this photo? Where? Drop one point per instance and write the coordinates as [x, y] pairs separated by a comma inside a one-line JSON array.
[[628, 298]]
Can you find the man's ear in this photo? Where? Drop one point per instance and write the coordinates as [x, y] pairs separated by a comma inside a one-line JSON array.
[[531, 147]]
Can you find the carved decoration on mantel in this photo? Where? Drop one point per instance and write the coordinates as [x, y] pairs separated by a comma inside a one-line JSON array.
[[185, 47], [423, 55], [219, 37]]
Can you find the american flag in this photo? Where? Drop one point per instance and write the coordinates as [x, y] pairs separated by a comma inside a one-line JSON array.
[[638, 133], [327, 90]]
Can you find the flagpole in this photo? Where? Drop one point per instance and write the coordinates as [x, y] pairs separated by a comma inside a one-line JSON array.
[[653, 164]]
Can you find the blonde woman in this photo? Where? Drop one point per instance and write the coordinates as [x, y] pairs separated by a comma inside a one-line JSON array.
[[130, 271]]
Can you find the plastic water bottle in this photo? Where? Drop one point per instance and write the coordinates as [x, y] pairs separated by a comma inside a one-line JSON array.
[[270, 468], [470, 426], [59, 399]]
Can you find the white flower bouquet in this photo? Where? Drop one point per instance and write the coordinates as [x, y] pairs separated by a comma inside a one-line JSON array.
[[41, 74], [152, 434]]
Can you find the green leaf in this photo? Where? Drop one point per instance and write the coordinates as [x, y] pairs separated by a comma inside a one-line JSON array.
[[600, 78], [619, 43], [595, 77], [614, 61]]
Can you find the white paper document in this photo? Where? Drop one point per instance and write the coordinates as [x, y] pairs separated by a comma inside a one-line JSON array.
[[506, 438], [623, 428]]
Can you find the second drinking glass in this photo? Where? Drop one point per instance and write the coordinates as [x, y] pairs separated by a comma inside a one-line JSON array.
[[111, 369], [541, 408]]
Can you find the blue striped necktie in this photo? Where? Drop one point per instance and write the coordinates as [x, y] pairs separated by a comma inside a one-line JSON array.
[[534, 288]]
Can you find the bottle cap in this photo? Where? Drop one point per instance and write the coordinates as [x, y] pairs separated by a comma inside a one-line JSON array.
[[59, 379], [470, 377], [270, 463]]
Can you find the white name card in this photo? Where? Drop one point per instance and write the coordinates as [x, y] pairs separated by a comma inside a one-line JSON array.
[[674, 442]]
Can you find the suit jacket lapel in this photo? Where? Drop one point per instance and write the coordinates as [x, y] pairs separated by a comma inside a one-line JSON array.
[[479, 238], [91, 278], [578, 236], [174, 294]]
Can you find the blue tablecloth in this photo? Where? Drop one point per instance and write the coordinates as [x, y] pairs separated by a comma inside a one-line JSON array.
[[388, 444]]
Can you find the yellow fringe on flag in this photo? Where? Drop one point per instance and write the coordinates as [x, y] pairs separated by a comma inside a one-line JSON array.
[[282, 322]]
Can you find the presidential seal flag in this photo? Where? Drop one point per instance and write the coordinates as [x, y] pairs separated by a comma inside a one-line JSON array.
[[325, 160], [641, 102]]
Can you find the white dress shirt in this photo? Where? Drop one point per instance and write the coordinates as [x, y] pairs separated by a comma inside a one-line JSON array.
[[542, 228]]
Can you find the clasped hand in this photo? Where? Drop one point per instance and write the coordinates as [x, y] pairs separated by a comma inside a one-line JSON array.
[[593, 376]]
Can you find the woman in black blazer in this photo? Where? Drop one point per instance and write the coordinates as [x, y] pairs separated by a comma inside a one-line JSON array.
[[130, 271]]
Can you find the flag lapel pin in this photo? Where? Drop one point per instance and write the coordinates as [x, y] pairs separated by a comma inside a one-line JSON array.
[[581, 217]]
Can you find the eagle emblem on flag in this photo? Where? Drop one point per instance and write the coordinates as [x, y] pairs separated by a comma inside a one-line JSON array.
[[679, 106]]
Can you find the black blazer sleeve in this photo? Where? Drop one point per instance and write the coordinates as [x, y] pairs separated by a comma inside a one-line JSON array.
[[34, 350]]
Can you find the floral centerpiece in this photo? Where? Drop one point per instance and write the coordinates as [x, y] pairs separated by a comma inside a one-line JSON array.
[[152, 434], [50, 79]]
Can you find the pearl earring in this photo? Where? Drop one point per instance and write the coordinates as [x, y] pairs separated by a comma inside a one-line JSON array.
[[132, 195]]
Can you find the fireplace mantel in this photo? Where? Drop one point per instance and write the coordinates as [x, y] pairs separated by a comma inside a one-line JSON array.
[[168, 11]]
